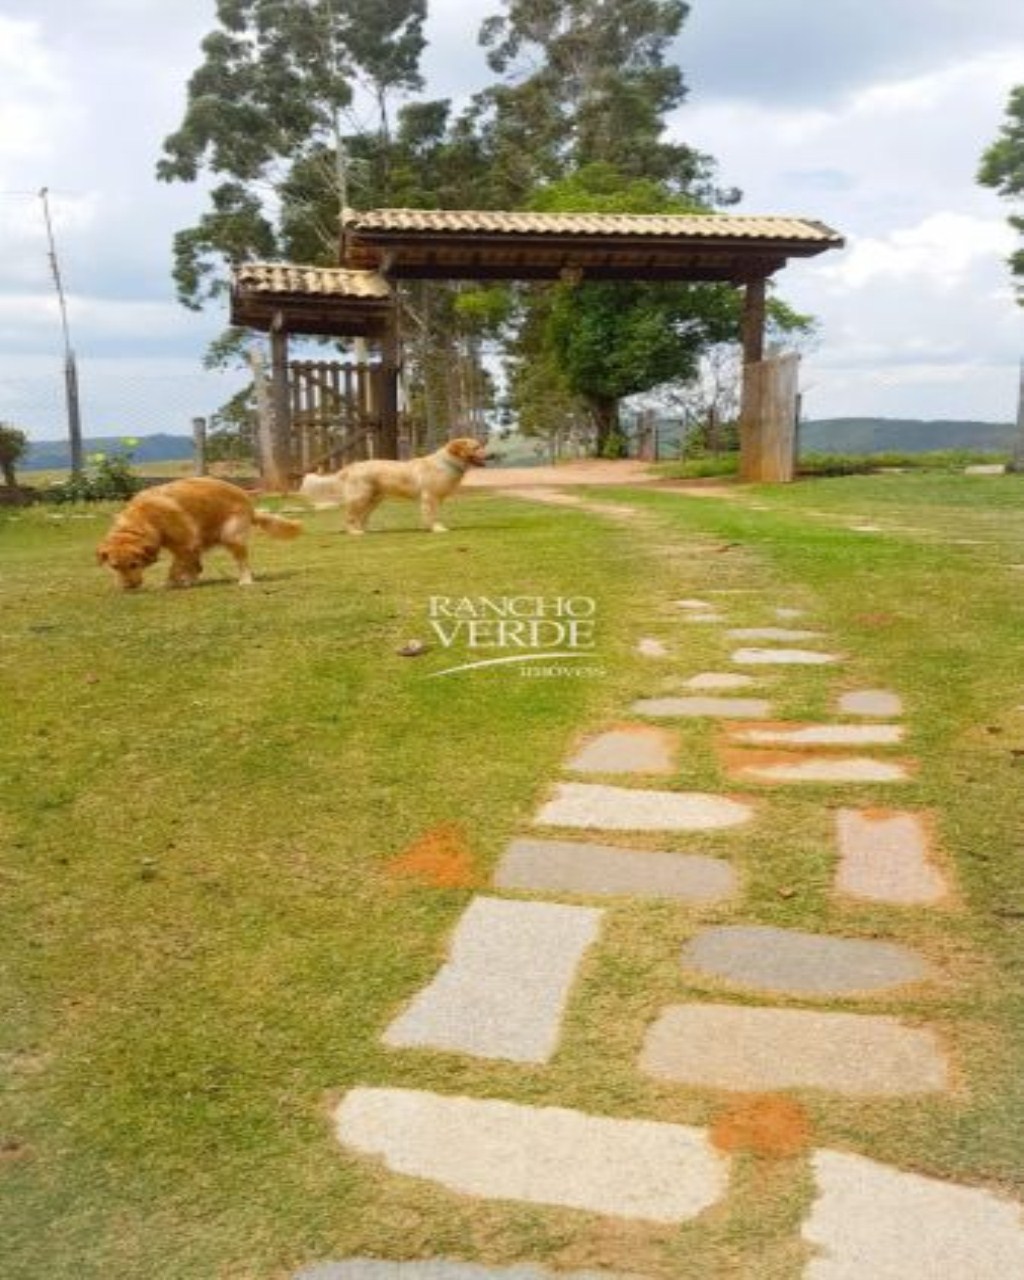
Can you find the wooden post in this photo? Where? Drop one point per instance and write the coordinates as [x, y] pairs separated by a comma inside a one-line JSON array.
[[389, 390], [199, 445], [279, 476], [752, 323], [714, 432], [752, 336], [769, 445], [1017, 461], [264, 415]]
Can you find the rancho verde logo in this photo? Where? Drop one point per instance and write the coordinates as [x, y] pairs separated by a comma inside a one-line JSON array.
[[541, 636]]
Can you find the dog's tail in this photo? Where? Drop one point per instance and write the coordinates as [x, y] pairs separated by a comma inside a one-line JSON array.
[[276, 526]]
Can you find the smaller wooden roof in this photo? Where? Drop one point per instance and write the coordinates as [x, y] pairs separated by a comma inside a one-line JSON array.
[[496, 244], [314, 300]]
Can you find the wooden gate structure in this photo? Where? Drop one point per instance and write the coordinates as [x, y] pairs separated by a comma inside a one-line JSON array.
[[383, 247], [333, 412]]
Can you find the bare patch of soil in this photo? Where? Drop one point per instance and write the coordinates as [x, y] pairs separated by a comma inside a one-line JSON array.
[[440, 858]]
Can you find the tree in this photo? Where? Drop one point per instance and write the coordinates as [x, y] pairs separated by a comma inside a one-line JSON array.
[[13, 447], [269, 110], [1002, 167], [587, 81], [578, 125]]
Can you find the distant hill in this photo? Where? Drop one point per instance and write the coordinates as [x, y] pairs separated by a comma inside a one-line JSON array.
[[47, 455], [903, 435]]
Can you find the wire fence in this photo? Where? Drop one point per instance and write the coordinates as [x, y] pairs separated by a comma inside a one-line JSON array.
[[117, 402]]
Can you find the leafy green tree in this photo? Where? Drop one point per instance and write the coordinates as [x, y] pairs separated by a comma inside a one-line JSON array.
[[578, 125], [584, 82], [603, 342], [13, 447], [1002, 167], [269, 111]]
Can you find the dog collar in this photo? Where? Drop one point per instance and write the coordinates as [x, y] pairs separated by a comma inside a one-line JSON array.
[[460, 468]]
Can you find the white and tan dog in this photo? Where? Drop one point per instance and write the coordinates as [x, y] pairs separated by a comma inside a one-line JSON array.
[[362, 486]]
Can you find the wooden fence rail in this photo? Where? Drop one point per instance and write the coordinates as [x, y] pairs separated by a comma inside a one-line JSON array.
[[335, 411]]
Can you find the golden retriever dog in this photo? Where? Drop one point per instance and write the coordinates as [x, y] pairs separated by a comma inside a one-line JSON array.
[[362, 486], [187, 517]]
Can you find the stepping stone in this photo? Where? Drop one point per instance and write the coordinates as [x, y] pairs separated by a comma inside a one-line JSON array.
[[696, 605], [720, 680], [871, 702], [563, 866], [735, 1047], [782, 657], [771, 633], [635, 748], [870, 1220], [640, 1169], [883, 857], [866, 528], [440, 1269], [648, 648], [819, 735], [817, 769], [504, 990], [719, 708], [704, 617], [787, 960], [783, 612], [591, 807]]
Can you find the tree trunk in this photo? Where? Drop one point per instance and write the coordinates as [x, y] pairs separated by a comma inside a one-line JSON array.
[[610, 442], [7, 467]]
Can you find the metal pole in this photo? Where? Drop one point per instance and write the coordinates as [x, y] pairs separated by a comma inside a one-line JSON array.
[[70, 368]]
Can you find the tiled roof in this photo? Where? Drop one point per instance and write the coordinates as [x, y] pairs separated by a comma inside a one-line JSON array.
[[712, 226], [335, 282]]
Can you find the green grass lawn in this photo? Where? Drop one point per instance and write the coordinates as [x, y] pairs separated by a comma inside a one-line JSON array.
[[200, 792]]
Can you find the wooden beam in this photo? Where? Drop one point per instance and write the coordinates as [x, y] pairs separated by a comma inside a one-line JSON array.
[[752, 322], [751, 407], [280, 460], [389, 390]]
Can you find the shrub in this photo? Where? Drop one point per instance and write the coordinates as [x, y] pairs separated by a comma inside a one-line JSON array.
[[108, 477], [13, 447], [838, 464]]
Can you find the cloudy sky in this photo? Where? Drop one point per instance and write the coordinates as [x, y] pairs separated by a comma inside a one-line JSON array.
[[869, 115]]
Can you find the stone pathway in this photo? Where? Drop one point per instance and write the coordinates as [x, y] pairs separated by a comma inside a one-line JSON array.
[[736, 1047], [541, 1155], [700, 707], [596, 808], [600, 870], [819, 735], [504, 989], [514, 964], [883, 857], [757, 767], [872, 1222], [634, 748], [763, 958], [783, 657]]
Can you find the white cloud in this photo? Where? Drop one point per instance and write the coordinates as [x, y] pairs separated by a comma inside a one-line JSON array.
[[34, 101], [869, 117], [940, 251], [923, 283], [796, 52]]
